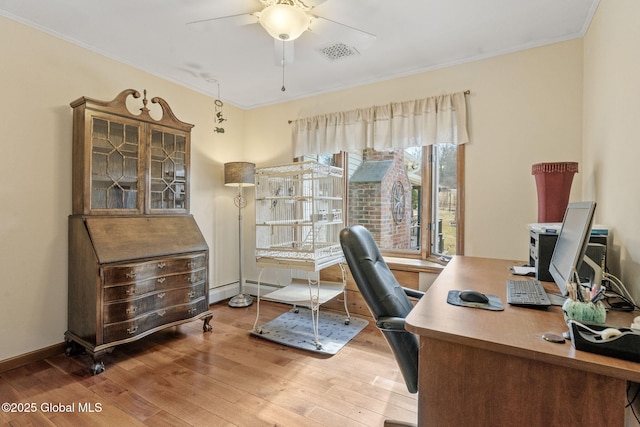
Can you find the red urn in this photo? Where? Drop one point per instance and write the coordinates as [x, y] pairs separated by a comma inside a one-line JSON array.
[[553, 181]]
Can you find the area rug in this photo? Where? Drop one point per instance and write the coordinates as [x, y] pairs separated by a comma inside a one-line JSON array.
[[296, 330]]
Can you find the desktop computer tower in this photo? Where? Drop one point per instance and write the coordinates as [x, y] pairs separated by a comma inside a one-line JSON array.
[[541, 249]]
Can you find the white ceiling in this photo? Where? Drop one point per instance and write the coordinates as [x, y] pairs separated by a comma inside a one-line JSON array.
[[238, 63]]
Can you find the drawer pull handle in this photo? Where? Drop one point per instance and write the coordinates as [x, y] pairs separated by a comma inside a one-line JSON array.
[[192, 294], [161, 295], [191, 264], [133, 330], [192, 310], [161, 279], [161, 265], [131, 275], [131, 290], [131, 309], [162, 313]]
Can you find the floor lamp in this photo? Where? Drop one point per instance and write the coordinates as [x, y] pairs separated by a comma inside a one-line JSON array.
[[240, 174]]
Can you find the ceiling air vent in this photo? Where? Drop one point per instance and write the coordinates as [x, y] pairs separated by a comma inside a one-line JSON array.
[[337, 51]]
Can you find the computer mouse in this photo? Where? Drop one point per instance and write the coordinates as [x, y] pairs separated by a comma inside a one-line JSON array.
[[473, 296]]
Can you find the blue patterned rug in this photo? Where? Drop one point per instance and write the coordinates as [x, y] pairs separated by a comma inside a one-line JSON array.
[[296, 330]]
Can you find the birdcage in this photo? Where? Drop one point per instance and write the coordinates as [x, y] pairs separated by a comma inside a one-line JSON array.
[[299, 215]]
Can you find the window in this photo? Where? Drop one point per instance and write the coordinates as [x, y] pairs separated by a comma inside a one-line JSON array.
[[410, 199], [447, 222], [412, 207]]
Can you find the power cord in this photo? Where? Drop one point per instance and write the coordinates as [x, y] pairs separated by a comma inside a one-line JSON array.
[[622, 290], [617, 297], [633, 399], [617, 302]]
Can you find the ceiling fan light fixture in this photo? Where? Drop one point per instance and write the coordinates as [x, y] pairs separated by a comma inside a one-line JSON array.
[[284, 21]]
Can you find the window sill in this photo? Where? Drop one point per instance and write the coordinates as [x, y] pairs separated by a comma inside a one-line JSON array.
[[413, 265]]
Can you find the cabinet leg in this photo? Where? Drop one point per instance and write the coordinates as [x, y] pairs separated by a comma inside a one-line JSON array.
[[97, 367], [73, 349], [206, 327]]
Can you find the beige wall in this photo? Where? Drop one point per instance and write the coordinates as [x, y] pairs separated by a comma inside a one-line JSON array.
[[611, 115], [39, 76], [525, 108]]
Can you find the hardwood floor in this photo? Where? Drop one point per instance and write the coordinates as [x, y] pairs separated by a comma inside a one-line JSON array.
[[182, 377]]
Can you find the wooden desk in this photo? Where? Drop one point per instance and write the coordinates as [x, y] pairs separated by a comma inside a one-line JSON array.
[[492, 368]]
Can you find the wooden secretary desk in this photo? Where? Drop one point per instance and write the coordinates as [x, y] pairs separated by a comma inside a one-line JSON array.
[[138, 262]]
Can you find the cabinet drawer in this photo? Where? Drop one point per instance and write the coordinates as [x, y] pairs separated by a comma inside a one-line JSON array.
[[131, 328], [127, 273], [132, 290], [124, 310]]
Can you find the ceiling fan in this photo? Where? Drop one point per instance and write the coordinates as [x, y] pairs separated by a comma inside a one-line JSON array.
[[286, 20]]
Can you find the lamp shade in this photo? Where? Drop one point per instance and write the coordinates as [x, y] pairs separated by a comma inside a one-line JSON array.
[[284, 21], [239, 173]]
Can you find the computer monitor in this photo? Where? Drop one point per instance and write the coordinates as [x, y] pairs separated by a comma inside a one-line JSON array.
[[571, 246]]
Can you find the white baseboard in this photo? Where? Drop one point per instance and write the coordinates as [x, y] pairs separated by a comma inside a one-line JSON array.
[[223, 292]]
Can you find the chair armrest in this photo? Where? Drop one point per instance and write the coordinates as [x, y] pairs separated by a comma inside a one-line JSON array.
[[413, 293], [391, 324]]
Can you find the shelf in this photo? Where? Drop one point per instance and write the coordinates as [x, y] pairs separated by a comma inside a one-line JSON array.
[[120, 180], [287, 261], [299, 292]]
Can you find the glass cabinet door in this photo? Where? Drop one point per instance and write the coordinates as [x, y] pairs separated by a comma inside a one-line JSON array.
[[126, 163], [168, 170], [115, 148]]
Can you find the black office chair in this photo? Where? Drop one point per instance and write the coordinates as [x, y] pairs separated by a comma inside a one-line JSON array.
[[388, 301]]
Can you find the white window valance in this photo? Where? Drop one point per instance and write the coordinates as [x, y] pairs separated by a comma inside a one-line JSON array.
[[398, 125]]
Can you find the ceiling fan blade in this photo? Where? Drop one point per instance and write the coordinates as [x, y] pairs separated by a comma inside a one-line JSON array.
[[281, 47], [230, 20], [336, 32]]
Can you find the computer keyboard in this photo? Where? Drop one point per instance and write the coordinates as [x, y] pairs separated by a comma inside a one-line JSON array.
[[526, 292]]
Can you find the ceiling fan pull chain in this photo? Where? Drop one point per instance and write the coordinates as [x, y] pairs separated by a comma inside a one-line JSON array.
[[283, 88]]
